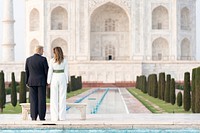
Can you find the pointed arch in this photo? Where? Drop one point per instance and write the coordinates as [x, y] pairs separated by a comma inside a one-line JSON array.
[[109, 26], [185, 49], [106, 15], [185, 18], [160, 49], [160, 18], [110, 52], [33, 43], [59, 19], [34, 19], [59, 42]]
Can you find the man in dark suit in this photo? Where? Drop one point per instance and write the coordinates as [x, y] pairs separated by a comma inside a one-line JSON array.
[[36, 78]]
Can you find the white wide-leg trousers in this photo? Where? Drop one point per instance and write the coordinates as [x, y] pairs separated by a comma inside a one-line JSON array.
[[58, 97]]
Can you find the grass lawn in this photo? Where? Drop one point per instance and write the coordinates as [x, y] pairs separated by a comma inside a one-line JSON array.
[[156, 105], [9, 109]]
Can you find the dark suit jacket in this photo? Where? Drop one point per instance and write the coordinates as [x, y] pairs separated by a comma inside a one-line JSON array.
[[36, 70]]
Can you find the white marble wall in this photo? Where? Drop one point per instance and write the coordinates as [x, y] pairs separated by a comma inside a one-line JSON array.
[[139, 38], [110, 72]]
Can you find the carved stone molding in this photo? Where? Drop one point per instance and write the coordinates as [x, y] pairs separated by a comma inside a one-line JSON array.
[[94, 3]]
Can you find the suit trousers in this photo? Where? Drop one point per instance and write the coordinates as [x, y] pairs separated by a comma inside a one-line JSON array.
[[37, 102]]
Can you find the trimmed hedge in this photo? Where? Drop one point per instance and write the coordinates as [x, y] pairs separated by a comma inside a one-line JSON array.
[[193, 90], [2, 92], [179, 99], [22, 91], [197, 90], [13, 90], [172, 92], [162, 85], [187, 97], [167, 89]]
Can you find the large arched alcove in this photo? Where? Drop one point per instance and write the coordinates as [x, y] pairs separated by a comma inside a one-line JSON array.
[[185, 19], [185, 49], [160, 49], [59, 42], [59, 19], [109, 33], [34, 20], [160, 18], [34, 43]]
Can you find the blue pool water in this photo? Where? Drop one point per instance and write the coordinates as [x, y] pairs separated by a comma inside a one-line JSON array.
[[103, 101], [99, 131]]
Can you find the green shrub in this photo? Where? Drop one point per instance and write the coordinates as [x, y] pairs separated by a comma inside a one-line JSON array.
[[193, 90], [69, 87], [13, 90], [172, 92], [2, 92], [197, 90], [154, 86], [179, 99], [144, 84], [187, 97], [137, 82], [73, 83], [22, 92], [162, 85], [167, 89]]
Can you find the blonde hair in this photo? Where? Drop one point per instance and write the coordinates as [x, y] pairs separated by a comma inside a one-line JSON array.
[[38, 48], [58, 54]]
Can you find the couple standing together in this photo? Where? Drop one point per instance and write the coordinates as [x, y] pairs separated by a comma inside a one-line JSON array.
[[39, 75]]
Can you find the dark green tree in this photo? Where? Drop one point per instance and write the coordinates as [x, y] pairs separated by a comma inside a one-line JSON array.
[[172, 92], [159, 86], [13, 90], [167, 89], [137, 82], [149, 85], [144, 84], [162, 85], [193, 90], [186, 94], [68, 87], [154, 86], [197, 90], [2, 92], [179, 99], [22, 91], [73, 83]]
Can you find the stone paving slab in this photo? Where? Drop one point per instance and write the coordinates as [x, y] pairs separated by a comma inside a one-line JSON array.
[[108, 120], [140, 119]]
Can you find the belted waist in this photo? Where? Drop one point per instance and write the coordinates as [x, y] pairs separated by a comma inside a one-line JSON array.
[[58, 71]]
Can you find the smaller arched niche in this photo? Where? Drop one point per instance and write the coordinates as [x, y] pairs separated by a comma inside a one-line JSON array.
[[185, 19], [59, 19], [59, 42], [185, 49], [160, 18], [34, 20], [33, 44], [110, 52], [160, 49]]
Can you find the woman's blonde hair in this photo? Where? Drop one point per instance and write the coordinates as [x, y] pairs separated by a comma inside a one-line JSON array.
[[58, 54]]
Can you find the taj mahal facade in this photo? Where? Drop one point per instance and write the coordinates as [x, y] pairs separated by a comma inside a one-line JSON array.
[[112, 41]]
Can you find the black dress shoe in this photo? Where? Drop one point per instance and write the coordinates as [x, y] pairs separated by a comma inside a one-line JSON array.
[[42, 119]]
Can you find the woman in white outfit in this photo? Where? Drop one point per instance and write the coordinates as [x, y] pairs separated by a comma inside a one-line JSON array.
[[58, 79]]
